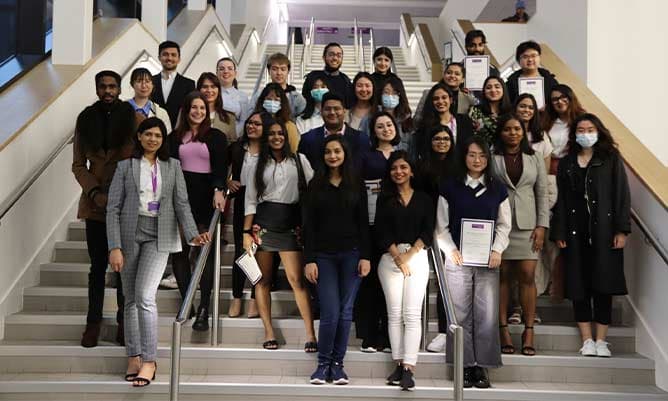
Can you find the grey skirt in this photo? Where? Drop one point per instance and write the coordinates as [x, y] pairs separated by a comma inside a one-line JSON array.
[[519, 245]]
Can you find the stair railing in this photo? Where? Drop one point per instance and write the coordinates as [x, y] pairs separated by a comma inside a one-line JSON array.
[[372, 49], [290, 52], [356, 39], [306, 52], [264, 73]]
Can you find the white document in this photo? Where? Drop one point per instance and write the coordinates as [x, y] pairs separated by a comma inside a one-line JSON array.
[[535, 87], [477, 71], [372, 191], [476, 241], [249, 266]]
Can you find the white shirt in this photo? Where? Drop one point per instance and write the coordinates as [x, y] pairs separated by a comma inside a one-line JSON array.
[[305, 125], [282, 183], [501, 228], [236, 101], [167, 83], [250, 160], [544, 148], [146, 193], [559, 136]]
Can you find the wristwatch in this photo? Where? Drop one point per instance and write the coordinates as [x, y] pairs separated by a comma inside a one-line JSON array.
[[249, 231]]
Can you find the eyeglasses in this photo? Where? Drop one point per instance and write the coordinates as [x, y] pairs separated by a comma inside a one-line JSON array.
[[255, 123], [557, 99], [529, 56], [440, 139]]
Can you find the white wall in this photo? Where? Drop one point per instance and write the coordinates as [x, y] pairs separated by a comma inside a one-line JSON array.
[[503, 38], [563, 25], [626, 64], [459, 9], [496, 10], [437, 30]]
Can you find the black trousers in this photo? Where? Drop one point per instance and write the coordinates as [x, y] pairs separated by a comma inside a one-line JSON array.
[[98, 251], [602, 311], [182, 271], [370, 307]]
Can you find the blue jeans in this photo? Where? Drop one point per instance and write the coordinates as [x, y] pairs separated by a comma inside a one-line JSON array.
[[338, 282]]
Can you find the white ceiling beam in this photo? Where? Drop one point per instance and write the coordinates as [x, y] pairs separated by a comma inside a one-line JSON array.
[[407, 4]]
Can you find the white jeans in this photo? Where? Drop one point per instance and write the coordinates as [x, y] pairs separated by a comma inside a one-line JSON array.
[[404, 296]]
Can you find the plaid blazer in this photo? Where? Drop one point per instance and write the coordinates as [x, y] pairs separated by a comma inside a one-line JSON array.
[[123, 207]]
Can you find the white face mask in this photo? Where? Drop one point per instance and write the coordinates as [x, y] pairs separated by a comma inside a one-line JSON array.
[[586, 140], [272, 106], [390, 101]]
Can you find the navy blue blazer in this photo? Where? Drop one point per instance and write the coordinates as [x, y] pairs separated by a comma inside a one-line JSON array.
[[312, 142]]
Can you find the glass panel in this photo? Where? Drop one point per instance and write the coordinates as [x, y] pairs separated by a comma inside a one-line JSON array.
[[117, 9], [8, 16]]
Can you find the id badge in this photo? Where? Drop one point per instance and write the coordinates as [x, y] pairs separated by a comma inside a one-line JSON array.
[[153, 206]]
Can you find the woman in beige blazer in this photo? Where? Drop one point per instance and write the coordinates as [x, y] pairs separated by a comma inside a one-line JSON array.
[[523, 172]]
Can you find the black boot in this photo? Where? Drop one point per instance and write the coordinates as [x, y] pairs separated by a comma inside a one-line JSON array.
[[481, 380], [469, 377], [202, 319]]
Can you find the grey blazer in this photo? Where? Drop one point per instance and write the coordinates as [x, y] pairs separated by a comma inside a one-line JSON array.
[[123, 207], [528, 200]]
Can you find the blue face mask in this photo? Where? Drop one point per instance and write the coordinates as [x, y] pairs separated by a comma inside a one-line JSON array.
[[390, 101], [317, 94], [587, 140], [272, 106]]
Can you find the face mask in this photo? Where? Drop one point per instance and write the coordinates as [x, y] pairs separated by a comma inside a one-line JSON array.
[[317, 94], [272, 106], [586, 140], [390, 101]]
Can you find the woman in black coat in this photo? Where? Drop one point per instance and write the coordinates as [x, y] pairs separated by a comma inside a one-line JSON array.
[[590, 223]]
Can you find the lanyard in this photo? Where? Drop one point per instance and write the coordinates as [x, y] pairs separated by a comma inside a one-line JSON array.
[[154, 179]]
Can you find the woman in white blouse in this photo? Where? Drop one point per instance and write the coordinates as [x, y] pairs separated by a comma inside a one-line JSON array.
[[272, 205], [234, 100]]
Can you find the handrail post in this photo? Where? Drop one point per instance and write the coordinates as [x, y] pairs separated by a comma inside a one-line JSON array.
[[216, 287], [458, 368], [355, 38], [425, 318], [176, 361]]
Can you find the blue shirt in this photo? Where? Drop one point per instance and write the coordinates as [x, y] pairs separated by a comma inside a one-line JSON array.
[[146, 110]]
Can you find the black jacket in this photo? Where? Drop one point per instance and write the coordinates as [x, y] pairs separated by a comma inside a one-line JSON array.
[[549, 82], [339, 83], [609, 202], [182, 86]]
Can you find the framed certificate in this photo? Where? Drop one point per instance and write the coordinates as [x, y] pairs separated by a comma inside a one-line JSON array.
[[475, 241], [535, 87], [477, 71]]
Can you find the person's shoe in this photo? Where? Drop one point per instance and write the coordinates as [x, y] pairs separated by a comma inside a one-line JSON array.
[[368, 347], [588, 348], [395, 378], [481, 380], [120, 334], [202, 319], [407, 383], [90, 335], [321, 374], [437, 344], [469, 377], [252, 309], [516, 316], [169, 282], [235, 308], [339, 375], [602, 349]]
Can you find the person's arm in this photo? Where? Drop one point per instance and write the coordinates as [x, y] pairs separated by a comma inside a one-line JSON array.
[[363, 223], [114, 205], [306, 165], [443, 235], [559, 223], [218, 159], [293, 136], [540, 193], [427, 214], [309, 224], [622, 197], [298, 104], [250, 199], [88, 182]]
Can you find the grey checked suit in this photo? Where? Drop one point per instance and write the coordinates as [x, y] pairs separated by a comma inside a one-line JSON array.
[[146, 243]]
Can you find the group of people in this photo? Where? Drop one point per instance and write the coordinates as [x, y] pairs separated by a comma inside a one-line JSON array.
[[348, 189]]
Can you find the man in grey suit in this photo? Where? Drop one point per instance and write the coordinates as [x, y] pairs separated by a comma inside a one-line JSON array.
[[147, 202]]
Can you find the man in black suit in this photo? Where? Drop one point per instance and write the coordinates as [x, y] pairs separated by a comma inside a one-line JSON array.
[[170, 86], [333, 111]]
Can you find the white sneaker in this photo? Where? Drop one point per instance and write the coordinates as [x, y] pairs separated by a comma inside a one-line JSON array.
[[602, 349], [169, 282], [589, 348], [437, 344]]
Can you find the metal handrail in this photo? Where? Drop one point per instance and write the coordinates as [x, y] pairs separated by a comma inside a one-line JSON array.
[[263, 73], [372, 49], [6, 206], [459, 42], [306, 51], [360, 56], [290, 52], [649, 237], [356, 38], [182, 317], [423, 52], [453, 325]]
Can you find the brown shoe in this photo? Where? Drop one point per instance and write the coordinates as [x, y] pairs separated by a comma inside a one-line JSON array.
[[90, 335], [235, 308], [120, 334], [252, 309]]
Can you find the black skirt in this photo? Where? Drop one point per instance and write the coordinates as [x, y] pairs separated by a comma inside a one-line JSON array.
[[278, 224]]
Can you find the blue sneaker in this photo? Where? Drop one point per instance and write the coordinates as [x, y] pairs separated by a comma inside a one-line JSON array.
[[321, 375], [339, 376]]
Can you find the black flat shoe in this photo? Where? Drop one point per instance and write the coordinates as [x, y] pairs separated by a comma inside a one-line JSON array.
[[482, 380], [469, 377], [202, 321]]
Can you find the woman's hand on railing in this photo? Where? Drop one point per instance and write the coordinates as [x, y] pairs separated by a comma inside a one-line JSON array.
[[311, 273], [116, 259], [363, 267], [201, 239]]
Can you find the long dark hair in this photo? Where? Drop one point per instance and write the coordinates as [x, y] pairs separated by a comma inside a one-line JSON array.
[[430, 118], [282, 115], [432, 164], [310, 102], [350, 181], [534, 123], [500, 146], [491, 179], [372, 131], [388, 189], [504, 103], [184, 125], [267, 154], [266, 119], [605, 146], [224, 115], [402, 112], [550, 115], [374, 99], [152, 122]]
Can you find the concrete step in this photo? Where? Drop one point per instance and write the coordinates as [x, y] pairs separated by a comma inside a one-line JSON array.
[[69, 326], [76, 231], [108, 387], [556, 367]]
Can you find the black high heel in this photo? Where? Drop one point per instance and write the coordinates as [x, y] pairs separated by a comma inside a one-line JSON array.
[[507, 348], [142, 381], [527, 350]]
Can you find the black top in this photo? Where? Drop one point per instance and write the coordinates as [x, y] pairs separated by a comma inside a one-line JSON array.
[[337, 82], [398, 224], [332, 224], [512, 83]]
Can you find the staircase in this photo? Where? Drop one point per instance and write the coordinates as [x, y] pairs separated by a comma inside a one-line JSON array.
[[40, 357]]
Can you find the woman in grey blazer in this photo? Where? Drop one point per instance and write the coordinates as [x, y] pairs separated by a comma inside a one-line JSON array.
[[523, 172], [147, 202]]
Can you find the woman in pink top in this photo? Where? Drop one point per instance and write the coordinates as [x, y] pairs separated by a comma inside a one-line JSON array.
[[202, 151]]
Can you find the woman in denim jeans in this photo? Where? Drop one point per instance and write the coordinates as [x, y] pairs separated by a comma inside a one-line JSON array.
[[337, 253]]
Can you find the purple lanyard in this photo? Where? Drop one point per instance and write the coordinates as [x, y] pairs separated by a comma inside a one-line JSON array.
[[154, 179]]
